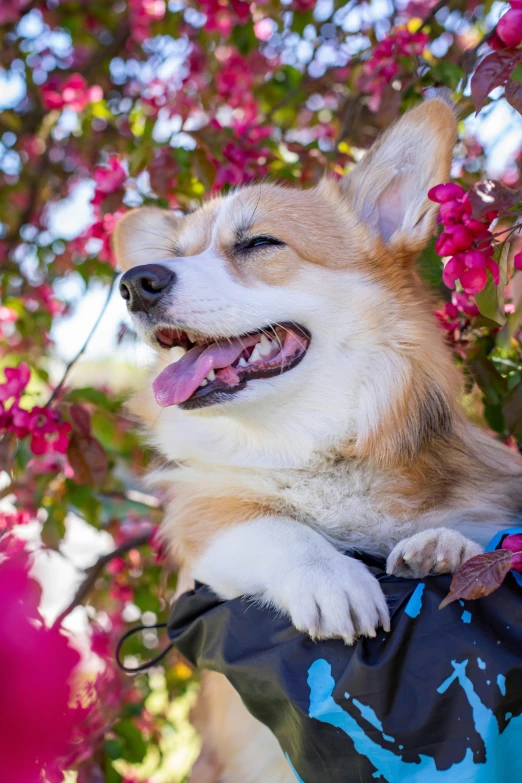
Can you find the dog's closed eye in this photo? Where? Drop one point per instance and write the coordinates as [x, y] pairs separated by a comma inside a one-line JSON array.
[[252, 243]]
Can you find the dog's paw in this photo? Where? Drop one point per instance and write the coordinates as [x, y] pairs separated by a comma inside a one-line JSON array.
[[335, 598], [433, 551]]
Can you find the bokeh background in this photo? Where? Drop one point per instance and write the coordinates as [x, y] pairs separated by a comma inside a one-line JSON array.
[[109, 104]]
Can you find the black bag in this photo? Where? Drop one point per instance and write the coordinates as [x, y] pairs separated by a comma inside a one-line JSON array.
[[436, 700]]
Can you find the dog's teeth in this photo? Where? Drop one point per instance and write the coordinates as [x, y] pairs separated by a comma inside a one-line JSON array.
[[265, 346], [256, 356], [203, 382], [191, 336], [242, 363], [211, 376]]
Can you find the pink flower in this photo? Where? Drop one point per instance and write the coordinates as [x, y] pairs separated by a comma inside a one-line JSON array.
[[518, 261], [513, 543], [470, 269], [383, 66], [453, 211], [509, 28], [48, 432], [464, 304], [37, 668], [445, 192], [10, 519], [455, 239], [110, 177], [16, 380], [473, 280], [7, 315], [73, 93]]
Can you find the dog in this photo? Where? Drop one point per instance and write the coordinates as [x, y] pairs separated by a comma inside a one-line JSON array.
[[305, 401]]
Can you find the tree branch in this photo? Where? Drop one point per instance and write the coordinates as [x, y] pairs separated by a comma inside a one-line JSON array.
[[95, 570], [82, 350]]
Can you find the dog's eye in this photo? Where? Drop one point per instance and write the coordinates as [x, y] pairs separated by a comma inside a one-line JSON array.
[[260, 241]]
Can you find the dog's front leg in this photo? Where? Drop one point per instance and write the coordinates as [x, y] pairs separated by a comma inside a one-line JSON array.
[[286, 564]]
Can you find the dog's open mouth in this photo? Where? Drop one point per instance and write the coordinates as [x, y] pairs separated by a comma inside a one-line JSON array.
[[210, 371]]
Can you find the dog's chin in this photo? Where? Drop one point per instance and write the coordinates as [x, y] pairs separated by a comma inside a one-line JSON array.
[[211, 371]]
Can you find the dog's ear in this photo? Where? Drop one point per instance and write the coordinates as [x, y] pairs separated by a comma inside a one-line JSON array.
[[388, 188], [145, 235]]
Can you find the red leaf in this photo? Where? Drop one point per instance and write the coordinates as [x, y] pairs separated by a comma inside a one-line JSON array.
[[492, 195], [493, 71], [478, 576], [81, 419], [513, 94], [88, 460]]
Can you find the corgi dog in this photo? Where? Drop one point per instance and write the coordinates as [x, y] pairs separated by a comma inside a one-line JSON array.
[[304, 400]]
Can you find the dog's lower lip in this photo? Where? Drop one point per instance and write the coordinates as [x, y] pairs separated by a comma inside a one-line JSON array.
[[211, 370]]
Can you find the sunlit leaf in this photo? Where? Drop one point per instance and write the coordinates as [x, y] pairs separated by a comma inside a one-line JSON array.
[[479, 576]]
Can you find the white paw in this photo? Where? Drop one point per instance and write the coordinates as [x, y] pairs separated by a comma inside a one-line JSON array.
[[334, 598], [434, 551]]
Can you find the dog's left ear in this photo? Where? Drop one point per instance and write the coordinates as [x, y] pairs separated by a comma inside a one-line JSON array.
[[388, 188]]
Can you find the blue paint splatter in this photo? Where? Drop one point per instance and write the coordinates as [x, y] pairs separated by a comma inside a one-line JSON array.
[[368, 714], [299, 778], [461, 602], [502, 761], [481, 663], [501, 682], [414, 605], [466, 616]]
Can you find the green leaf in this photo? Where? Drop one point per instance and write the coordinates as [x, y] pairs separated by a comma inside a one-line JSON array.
[[490, 301], [505, 336], [145, 599], [114, 748], [110, 775], [430, 269], [512, 410], [491, 382], [516, 75], [135, 747], [53, 529], [446, 73]]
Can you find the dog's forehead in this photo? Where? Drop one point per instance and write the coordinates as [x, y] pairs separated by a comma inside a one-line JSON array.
[[262, 208]]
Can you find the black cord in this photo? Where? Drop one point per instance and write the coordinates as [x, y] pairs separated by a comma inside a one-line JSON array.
[[143, 666]]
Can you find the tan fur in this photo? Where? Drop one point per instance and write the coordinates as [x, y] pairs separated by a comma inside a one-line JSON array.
[[410, 461]]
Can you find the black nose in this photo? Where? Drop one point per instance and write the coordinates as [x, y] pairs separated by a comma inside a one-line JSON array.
[[143, 286]]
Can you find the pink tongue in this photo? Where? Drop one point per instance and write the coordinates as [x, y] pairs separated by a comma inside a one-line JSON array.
[[180, 380]]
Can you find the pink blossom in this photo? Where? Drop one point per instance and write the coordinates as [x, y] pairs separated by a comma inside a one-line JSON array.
[[470, 269], [11, 10], [7, 315], [11, 519], [464, 304], [73, 93], [513, 543], [383, 65], [453, 240], [37, 668], [222, 15], [509, 28], [142, 14], [448, 191], [453, 211], [110, 177], [16, 380], [518, 261]]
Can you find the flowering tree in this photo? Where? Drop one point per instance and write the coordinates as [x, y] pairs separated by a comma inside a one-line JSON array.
[[165, 103]]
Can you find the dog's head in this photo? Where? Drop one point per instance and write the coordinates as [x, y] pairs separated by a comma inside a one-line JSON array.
[[298, 312]]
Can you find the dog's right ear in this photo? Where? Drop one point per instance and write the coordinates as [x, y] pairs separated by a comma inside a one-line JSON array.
[[145, 235]]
